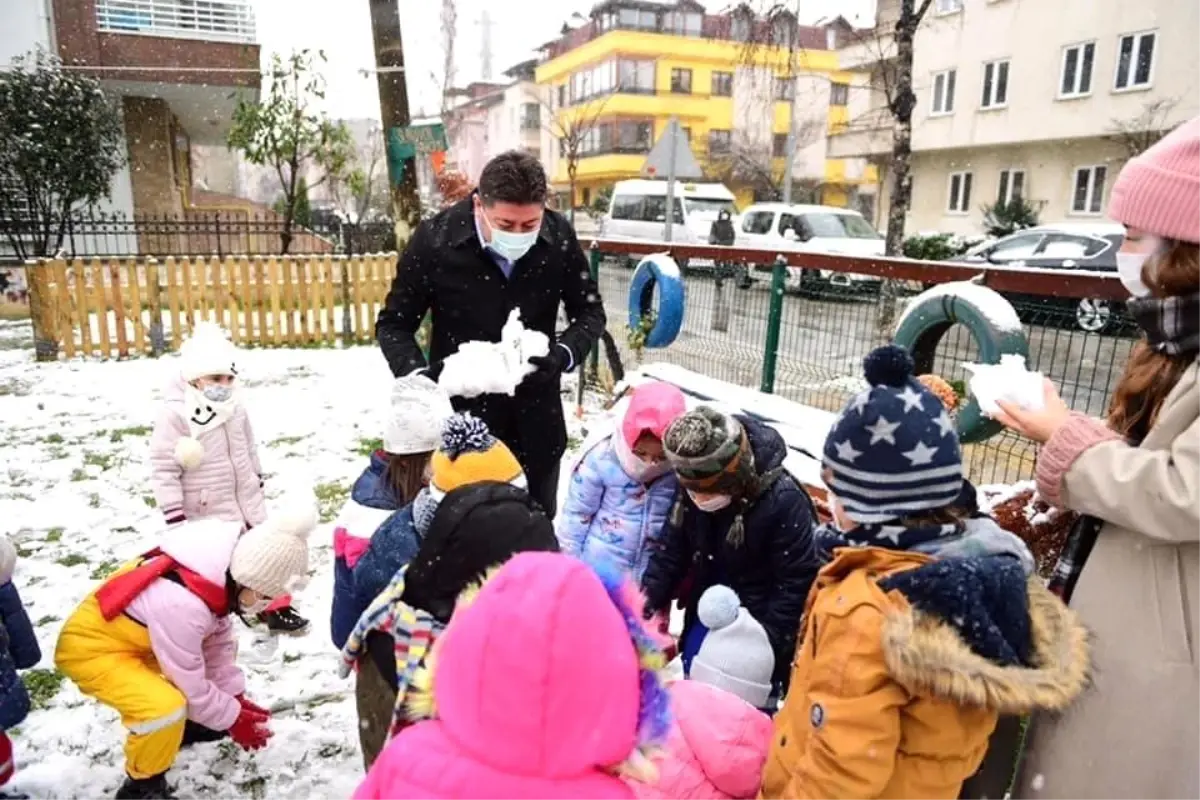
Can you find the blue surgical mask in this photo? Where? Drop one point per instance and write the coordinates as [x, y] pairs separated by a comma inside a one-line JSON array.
[[216, 393], [511, 246]]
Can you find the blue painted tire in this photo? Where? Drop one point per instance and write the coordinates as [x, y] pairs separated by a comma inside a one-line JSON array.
[[657, 271]]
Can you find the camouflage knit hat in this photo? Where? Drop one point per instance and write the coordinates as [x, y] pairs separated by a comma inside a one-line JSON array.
[[709, 452]]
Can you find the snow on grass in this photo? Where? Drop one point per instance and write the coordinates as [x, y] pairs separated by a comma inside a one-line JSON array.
[[75, 499]]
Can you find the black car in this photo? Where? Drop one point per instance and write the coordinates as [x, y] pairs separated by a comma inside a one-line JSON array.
[[1090, 247]]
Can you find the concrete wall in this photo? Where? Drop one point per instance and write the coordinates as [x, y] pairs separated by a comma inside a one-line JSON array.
[[24, 25]]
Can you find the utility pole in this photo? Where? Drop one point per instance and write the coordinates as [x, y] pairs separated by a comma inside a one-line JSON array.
[[485, 52], [393, 108], [672, 124], [790, 148]]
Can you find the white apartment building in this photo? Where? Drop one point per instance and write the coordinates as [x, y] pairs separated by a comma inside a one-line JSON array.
[[1024, 97], [494, 118]]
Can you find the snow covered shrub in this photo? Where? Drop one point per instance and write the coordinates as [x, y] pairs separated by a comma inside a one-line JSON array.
[[939, 246]]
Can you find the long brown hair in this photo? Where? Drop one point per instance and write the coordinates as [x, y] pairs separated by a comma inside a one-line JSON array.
[[1150, 375], [406, 475]]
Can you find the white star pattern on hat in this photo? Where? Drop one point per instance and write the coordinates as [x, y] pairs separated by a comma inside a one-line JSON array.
[[912, 399], [921, 454], [890, 532], [944, 423], [846, 451], [860, 400], [882, 431]]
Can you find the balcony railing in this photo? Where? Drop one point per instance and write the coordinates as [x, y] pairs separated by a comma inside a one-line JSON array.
[[212, 20]]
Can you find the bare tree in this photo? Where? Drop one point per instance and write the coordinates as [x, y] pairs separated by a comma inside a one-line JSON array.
[[1139, 133], [571, 128], [755, 164], [364, 190]]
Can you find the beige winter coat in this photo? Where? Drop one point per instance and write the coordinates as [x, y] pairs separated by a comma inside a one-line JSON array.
[[1136, 731]]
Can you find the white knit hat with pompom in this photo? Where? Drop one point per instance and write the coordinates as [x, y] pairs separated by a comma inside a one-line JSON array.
[[736, 654], [8, 559], [272, 558], [207, 351]]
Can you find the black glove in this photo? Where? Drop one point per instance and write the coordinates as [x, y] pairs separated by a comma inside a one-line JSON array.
[[433, 371], [551, 365]]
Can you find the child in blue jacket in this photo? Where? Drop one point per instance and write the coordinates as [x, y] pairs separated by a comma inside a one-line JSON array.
[[18, 650], [380, 502]]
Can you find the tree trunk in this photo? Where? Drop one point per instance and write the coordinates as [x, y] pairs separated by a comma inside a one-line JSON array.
[[901, 166], [572, 167]]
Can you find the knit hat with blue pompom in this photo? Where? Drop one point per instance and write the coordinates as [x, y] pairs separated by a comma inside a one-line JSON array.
[[894, 450], [470, 454]]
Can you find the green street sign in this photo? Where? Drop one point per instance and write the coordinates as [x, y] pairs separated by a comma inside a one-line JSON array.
[[406, 143]]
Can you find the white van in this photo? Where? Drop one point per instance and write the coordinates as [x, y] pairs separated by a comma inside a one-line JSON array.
[[639, 211]]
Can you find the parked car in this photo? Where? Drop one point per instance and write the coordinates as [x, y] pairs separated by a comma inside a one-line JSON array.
[[638, 210], [812, 229], [1063, 246]]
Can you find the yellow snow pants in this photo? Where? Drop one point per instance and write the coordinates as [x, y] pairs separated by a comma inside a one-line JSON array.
[[113, 662]]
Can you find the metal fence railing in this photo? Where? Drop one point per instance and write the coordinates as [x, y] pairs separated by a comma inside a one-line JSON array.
[[826, 329], [214, 20]]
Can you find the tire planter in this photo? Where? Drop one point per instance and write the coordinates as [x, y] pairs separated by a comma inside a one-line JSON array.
[[662, 272], [990, 319]]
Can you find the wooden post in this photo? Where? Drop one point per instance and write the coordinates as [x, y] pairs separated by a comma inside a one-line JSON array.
[[245, 303], [79, 272], [41, 311], [114, 271], [101, 301], [173, 300], [133, 269], [329, 325], [66, 315], [158, 342], [260, 299], [289, 300], [189, 300], [347, 318], [303, 297]]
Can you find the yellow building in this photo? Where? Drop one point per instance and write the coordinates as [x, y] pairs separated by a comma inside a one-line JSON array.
[[613, 83]]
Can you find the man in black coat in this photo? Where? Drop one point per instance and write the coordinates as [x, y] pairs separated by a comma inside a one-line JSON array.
[[471, 265]]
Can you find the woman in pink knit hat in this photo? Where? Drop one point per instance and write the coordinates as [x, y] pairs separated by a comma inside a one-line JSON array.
[[543, 685], [1132, 566]]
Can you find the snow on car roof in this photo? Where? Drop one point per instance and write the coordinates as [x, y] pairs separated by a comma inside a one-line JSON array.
[[685, 188], [1081, 228], [802, 208]]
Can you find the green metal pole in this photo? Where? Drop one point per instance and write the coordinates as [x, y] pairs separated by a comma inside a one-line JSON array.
[[593, 361], [774, 319]]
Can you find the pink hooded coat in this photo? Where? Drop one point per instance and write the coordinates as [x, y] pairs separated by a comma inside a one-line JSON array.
[[716, 749], [195, 648], [536, 692], [226, 484]]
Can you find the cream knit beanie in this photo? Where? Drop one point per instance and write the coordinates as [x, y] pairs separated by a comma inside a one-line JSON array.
[[419, 409], [207, 351], [8, 559], [736, 654], [272, 558]]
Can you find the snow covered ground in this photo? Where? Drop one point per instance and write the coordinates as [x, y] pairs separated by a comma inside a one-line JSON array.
[[74, 499]]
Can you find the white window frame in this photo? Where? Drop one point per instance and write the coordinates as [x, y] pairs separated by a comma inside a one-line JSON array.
[[947, 95], [1077, 92], [1090, 198], [1138, 38], [990, 103], [945, 7], [960, 205], [1006, 182]]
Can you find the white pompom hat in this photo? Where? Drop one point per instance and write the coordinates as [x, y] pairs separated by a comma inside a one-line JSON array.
[[8, 559], [207, 351], [419, 409], [272, 558], [736, 654]]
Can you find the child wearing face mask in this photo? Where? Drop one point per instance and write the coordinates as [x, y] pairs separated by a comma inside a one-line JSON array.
[[742, 521], [622, 488], [155, 641], [203, 456]]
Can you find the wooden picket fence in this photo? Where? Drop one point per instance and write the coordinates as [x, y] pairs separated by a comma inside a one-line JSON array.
[[120, 307]]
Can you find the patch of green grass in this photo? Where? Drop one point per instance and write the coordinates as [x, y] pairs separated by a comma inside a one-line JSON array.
[[285, 441], [135, 430], [42, 685], [57, 453], [54, 438], [79, 474], [94, 501], [330, 498], [54, 534], [125, 529], [330, 750], [24, 552], [46, 620], [254, 787], [72, 560], [149, 500], [573, 443], [104, 461], [104, 569], [366, 447], [290, 658]]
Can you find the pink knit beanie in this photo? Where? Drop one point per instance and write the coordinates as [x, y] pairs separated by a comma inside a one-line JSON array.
[[1159, 191]]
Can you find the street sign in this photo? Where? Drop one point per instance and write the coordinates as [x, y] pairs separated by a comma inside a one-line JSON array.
[[672, 146], [406, 143]]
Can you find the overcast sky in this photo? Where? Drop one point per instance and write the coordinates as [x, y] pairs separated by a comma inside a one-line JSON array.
[[343, 31]]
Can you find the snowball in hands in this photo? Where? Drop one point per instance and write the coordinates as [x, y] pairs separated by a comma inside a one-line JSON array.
[[1010, 381], [494, 367]]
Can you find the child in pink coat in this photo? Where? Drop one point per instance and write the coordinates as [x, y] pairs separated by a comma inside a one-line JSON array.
[[204, 458], [720, 737], [543, 686]]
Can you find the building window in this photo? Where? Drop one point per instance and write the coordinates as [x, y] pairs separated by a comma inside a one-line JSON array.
[[1012, 186], [995, 85], [740, 26], [634, 136], [562, 147], [627, 206], [949, 6], [683, 23], [839, 94], [722, 84], [638, 20], [959, 201], [785, 89], [594, 81], [635, 77], [681, 81], [943, 92], [1135, 61], [1089, 190], [719, 143], [531, 117], [779, 145], [1077, 63]]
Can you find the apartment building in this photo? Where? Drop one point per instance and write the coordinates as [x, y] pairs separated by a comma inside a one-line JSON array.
[[732, 79], [486, 119], [1041, 100], [173, 66]]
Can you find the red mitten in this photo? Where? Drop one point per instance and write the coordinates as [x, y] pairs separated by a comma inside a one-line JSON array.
[[7, 767], [249, 705], [249, 731]]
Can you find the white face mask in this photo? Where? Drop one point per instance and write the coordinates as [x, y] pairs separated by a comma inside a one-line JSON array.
[[1129, 268], [711, 503], [510, 245], [204, 414], [255, 608]]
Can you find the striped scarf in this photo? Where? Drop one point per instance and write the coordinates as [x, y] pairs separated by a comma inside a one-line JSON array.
[[1171, 324], [412, 631]]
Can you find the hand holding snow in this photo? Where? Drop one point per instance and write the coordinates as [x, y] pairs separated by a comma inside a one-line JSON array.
[[1010, 381], [494, 367]]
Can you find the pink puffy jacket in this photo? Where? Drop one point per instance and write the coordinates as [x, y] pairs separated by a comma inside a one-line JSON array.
[[195, 648], [716, 748], [226, 484]]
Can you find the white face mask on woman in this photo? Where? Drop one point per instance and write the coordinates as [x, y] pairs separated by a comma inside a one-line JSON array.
[[1131, 260], [710, 503]]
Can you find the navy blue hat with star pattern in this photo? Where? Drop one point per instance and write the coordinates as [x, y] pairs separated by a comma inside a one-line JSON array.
[[894, 450]]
